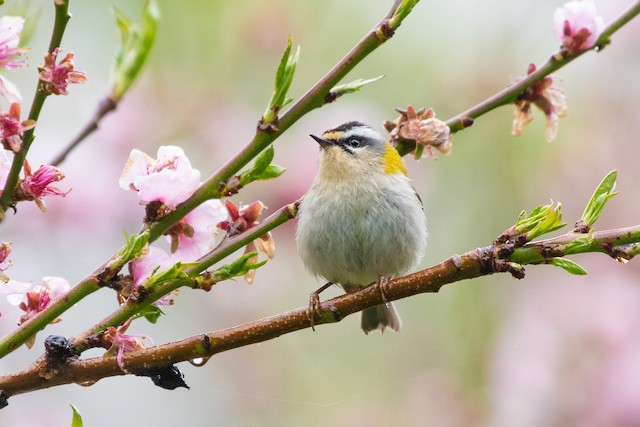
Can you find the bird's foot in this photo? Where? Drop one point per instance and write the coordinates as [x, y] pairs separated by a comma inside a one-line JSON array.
[[381, 284], [314, 304]]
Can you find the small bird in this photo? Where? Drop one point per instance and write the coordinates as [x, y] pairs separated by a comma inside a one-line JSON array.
[[361, 221]]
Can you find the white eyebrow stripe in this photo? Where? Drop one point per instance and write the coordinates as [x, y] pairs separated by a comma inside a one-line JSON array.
[[363, 131]]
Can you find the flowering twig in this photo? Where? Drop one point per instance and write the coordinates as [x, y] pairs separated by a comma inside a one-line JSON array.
[[227, 247], [555, 62], [469, 265], [59, 26], [314, 98]]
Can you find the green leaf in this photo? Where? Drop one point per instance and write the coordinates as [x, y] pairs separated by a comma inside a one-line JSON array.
[[283, 79], [137, 39], [262, 169], [134, 247], [152, 313], [263, 160], [353, 86], [76, 419], [171, 273], [239, 267], [600, 197], [272, 171], [543, 219], [568, 265]]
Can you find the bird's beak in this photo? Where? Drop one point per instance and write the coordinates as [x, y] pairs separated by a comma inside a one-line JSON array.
[[324, 143]]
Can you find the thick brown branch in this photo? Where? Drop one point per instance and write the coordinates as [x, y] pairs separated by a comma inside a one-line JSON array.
[[479, 262]]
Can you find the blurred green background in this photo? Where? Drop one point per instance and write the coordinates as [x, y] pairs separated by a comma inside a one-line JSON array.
[[549, 350]]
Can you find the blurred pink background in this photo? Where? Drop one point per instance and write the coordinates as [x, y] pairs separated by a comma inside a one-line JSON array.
[[550, 350]]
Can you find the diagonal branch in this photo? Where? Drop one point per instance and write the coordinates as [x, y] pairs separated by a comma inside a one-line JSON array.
[[475, 263]]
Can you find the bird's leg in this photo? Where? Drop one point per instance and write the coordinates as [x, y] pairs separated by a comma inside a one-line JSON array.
[[381, 284], [314, 304]]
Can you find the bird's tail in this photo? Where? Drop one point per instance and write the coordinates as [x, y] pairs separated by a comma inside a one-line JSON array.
[[380, 317]]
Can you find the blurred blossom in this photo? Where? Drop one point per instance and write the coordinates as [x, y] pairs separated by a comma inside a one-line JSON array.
[[5, 262], [56, 77], [5, 167], [170, 179], [569, 357], [122, 343], [9, 91], [578, 25], [11, 56], [35, 300], [548, 98], [195, 234], [11, 128]]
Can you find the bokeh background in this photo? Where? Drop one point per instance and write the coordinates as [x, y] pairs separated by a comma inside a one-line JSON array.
[[550, 350]]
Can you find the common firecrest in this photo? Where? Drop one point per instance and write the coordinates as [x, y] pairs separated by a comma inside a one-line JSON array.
[[361, 221]]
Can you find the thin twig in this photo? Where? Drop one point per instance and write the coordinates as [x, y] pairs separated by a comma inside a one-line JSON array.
[[105, 106]]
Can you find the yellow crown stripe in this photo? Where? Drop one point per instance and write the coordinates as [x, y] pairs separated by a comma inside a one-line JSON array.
[[332, 135], [392, 161]]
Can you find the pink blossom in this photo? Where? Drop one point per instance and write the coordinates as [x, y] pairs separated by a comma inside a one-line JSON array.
[[38, 184], [56, 77], [170, 179], [241, 218], [195, 235], [11, 128], [548, 98], [578, 25], [35, 300], [122, 343], [155, 261], [11, 56]]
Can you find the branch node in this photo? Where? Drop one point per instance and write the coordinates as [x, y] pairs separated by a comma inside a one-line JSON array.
[[58, 353]]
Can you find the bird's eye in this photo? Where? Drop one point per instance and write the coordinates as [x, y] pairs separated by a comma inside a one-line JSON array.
[[353, 142]]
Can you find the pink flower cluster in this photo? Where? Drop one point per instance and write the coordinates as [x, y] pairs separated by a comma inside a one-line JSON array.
[[170, 179], [32, 300]]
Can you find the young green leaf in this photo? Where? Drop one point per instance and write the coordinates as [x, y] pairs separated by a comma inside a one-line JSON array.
[[134, 246], [568, 265], [152, 313], [272, 171], [76, 419], [263, 160], [600, 197], [284, 77], [351, 87], [137, 40], [401, 12]]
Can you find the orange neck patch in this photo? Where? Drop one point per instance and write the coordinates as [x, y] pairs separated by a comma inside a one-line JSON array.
[[392, 161]]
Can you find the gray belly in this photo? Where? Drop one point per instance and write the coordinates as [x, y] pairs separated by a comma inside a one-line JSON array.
[[354, 239]]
